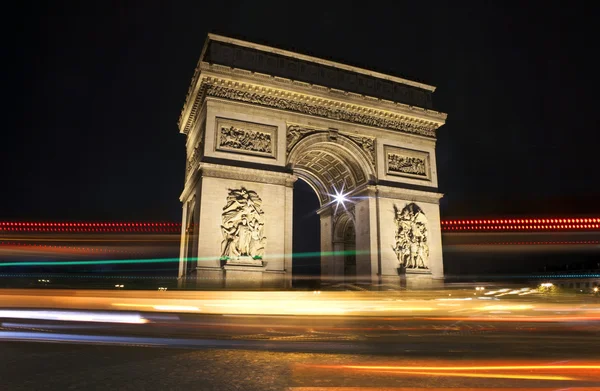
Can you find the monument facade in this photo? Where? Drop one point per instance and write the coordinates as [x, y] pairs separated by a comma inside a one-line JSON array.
[[257, 119]]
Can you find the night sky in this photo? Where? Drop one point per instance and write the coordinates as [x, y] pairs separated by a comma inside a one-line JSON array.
[[92, 103]]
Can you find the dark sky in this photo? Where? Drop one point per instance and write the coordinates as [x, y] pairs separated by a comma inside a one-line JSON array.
[[97, 88]]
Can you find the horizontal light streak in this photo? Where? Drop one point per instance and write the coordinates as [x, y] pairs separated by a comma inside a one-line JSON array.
[[545, 224], [164, 260], [522, 221], [484, 375], [552, 372], [426, 308], [539, 243], [45, 247], [520, 318], [73, 316], [526, 224], [85, 225], [506, 307], [473, 367]]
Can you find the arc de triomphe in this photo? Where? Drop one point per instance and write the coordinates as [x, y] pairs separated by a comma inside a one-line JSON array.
[[257, 119]]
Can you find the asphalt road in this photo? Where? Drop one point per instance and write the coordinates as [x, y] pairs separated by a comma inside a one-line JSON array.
[[193, 352]]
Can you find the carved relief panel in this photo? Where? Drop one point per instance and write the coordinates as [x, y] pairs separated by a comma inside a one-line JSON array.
[[243, 227], [411, 240], [246, 137], [407, 162]]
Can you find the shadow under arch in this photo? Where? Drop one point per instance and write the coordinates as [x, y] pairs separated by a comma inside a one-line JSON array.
[[330, 164]]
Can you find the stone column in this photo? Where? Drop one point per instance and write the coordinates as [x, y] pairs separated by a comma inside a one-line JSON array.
[[367, 247], [327, 267], [288, 235], [337, 261], [182, 244]]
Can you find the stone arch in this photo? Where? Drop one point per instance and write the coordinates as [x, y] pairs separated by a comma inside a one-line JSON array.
[[330, 163], [342, 223]]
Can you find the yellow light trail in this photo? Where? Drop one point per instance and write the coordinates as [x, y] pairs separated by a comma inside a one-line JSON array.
[[483, 375], [472, 368]]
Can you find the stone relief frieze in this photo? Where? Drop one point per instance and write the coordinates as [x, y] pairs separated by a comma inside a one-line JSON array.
[[407, 162], [322, 109], [243, 226], [411, 240], [245, 137]]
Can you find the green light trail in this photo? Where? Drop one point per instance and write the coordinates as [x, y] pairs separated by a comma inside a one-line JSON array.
[[166, 260]]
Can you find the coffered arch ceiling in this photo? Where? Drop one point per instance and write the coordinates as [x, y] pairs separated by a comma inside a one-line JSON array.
[[330, 166]]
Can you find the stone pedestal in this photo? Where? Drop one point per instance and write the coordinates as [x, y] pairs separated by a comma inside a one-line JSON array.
[[207, 278], [417, 279], [245, 261], [250, 277], [244, 273]]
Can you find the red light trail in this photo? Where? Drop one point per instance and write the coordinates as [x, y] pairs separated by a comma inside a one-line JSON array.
[[545, 224], [131, 227]]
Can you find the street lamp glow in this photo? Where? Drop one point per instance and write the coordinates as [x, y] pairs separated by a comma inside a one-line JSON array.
[[340, 198]]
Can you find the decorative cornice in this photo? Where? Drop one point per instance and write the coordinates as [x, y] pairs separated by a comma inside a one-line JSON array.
[[306, 104], [246, 174], [408, 194], [238, 59], [319, 91]]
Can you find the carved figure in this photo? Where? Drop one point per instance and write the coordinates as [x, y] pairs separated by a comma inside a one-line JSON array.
[[242, 225], [367, 144], [410, 245], [294, 134]]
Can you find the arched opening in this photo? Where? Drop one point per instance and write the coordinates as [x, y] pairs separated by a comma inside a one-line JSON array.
[[306, 241], [329, 164]]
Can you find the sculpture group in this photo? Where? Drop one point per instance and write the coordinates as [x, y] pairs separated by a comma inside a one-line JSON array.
[[243, 226], [411, 246]]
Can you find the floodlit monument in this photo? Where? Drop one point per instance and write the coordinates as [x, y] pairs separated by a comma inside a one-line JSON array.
[[258, 119]]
